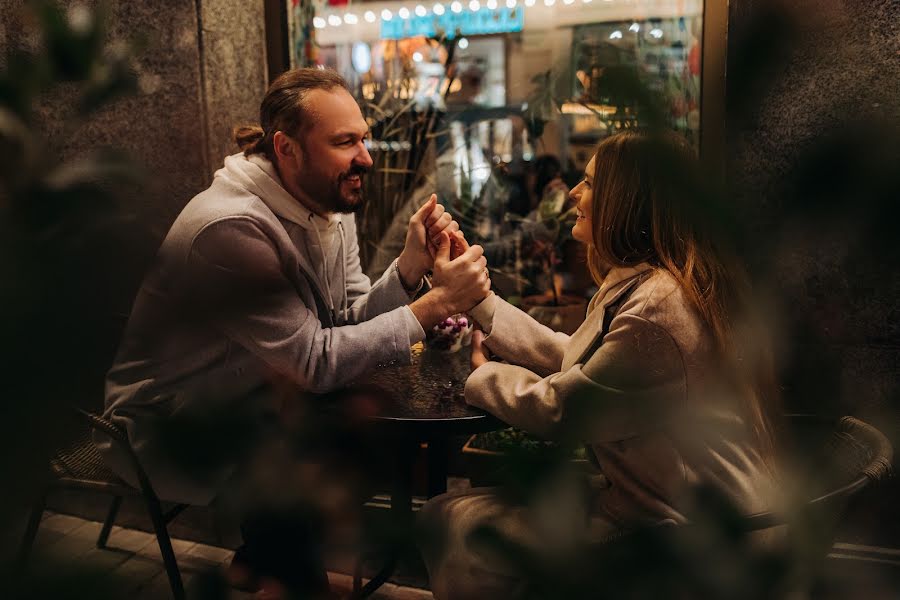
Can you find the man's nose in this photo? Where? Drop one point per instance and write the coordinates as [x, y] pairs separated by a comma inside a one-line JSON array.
[[363, 157]]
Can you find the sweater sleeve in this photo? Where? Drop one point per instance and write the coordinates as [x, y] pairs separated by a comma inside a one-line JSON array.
[[627, 387], [235, 270], [516, 337]]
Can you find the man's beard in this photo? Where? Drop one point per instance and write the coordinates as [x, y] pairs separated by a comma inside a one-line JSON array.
[[354, 199], [330, 197]]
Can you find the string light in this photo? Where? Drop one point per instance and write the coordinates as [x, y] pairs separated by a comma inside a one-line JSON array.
[[510, 3], [334, 20], [474, 5], [319, 23], [491, 4], [387, 15], [549, 2], [350, 19], [420, 10], [463, 43], [529, 2], [438, 9], [456, 6], [403, 13], [369, 16]]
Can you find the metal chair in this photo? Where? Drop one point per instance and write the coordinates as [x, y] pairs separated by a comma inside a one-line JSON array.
[[843, 456], [849, 454], [80, 466]]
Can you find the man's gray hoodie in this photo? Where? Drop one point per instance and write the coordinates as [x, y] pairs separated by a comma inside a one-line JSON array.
[[248, 286]]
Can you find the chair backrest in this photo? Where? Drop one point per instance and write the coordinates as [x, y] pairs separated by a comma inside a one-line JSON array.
[[837, 458]]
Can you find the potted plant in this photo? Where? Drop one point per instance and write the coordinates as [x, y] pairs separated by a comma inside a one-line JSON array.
[[548, 235], [488, 456]]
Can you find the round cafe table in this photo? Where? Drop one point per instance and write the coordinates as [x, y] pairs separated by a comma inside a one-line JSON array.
[[416, 403]]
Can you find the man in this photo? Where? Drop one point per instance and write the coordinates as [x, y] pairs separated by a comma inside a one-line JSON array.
[[259, 280]]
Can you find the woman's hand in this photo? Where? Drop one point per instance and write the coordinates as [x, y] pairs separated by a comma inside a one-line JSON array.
[[480, 353]]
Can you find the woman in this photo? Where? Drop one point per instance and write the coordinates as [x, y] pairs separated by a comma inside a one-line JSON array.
[[661, 380]]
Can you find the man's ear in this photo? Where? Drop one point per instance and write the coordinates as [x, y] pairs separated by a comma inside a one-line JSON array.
[[286, 148]]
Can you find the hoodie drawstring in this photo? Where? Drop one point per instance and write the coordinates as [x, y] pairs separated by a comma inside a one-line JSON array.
[[324, 269], [343, 272]]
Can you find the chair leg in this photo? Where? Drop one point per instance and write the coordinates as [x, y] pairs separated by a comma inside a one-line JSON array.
[[357, 574], [34, 521], [110, 520], [165, 547]]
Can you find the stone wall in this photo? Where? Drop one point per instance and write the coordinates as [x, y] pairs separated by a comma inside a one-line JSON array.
[[814, 107], [202, 71]]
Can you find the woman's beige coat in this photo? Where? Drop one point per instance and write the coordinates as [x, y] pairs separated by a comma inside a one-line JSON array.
[[646, 396]]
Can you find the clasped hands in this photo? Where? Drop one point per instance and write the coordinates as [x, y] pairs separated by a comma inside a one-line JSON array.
[[460, 277]]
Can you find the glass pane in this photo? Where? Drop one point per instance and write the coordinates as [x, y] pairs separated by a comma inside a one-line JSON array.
[[497, 106]]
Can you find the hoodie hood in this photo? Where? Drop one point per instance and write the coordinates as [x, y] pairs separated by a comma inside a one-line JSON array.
[[257, 175]]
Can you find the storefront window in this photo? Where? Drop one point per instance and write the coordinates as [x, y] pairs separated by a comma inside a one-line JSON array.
[[498, 105]]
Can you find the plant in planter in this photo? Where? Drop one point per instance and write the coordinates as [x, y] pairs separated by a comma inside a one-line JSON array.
[[488, 456], [404, 122], [547, 234]]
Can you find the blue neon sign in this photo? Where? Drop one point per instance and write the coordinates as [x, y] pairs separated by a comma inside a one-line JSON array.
[[480, 22]]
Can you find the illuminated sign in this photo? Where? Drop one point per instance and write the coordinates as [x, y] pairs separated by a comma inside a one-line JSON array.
[[480, 22]]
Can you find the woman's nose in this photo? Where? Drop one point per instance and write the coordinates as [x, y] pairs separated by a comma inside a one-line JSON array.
[[575, 193]]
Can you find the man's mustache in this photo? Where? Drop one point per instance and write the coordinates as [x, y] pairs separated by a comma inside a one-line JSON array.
[[355, 170]]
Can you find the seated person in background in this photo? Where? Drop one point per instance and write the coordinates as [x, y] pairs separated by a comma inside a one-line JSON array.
[[259, 280], [662, 380]]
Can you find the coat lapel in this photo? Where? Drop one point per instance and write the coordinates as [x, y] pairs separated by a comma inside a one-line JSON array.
[[603, 307]]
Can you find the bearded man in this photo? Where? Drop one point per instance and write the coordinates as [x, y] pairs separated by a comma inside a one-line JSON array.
[[259, 280]]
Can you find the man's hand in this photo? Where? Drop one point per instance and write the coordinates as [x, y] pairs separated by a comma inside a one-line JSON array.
[[457, 285], [424, 228], [480, 353], [458, 245]]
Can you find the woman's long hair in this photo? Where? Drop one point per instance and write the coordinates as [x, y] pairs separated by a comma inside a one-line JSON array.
[[648, 207]]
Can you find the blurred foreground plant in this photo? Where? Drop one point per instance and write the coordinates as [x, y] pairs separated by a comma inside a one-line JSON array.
[[57, 234]]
